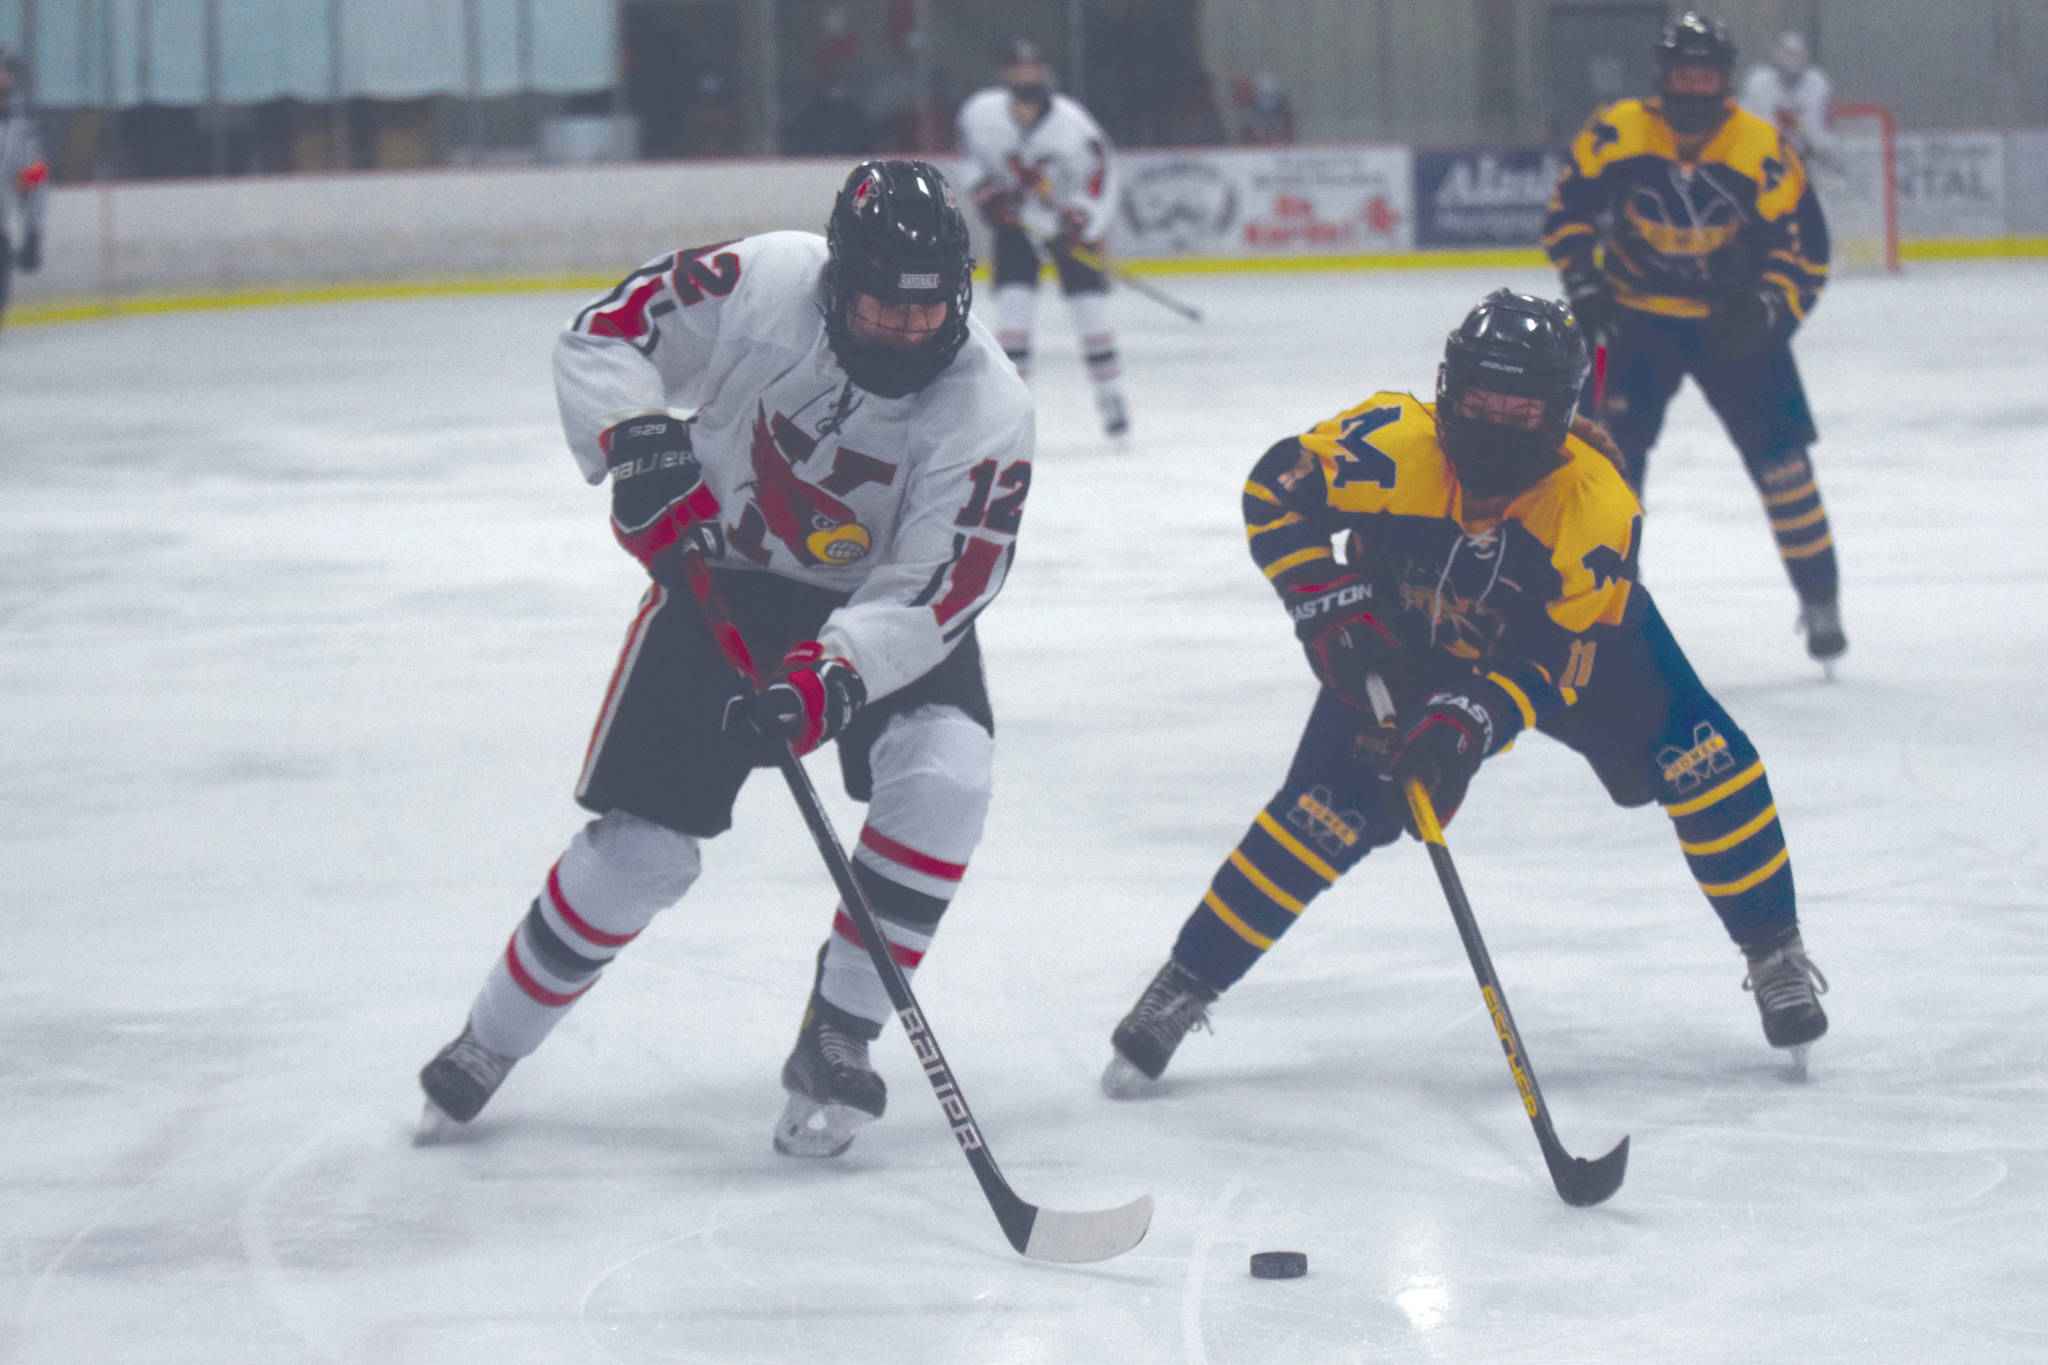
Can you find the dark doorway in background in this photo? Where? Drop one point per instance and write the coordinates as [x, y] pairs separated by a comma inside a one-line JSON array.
[[1599, 54]]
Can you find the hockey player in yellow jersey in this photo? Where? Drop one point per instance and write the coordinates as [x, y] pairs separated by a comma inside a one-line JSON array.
[[1690, 242], [1488, 577]]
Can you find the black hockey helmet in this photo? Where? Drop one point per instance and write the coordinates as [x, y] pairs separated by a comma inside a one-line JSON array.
[[1026, 73], [1694, 40], [1018, 50], [897, 235], [1515, 346]]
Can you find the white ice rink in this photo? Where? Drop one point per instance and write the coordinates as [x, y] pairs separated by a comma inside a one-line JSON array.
[[305, 612]]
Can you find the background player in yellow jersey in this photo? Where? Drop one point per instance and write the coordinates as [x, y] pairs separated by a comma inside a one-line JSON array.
[[1690, 242], [1488, 576]]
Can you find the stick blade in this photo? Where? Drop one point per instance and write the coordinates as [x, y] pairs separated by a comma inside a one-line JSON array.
[[1582, 1183], [1095, 1235]]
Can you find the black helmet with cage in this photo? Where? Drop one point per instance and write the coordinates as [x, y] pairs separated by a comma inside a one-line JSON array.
[[1026, 74], [897, 235], [1695, 41], [1507, 390]]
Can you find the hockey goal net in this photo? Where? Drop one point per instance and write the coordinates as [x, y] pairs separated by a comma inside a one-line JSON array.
[[1856, 177]]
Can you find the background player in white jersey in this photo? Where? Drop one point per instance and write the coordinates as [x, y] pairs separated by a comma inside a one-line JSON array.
[[1046, 181], [861, 451], [23, 179], [1793, 94]]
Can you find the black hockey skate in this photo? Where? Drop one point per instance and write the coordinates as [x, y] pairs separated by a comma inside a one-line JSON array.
[[1176, 1003], [1787, 987], [1821, 623], [1116, 416], [833, 1091], [459, 1082]]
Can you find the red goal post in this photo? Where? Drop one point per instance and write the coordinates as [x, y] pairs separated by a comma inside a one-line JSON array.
[[1856, 176]]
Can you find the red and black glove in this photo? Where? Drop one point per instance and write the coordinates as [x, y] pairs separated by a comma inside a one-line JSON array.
[[1073, 232], [1345, 641], [658, 488], [1442, 746], [997, 202], [814, 700]]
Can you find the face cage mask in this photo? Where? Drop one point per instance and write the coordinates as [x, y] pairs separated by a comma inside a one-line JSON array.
[[1692, 114], [1493, 461], [886, 371]]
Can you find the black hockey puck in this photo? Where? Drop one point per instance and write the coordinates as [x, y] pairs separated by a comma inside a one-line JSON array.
[[1279, 1265]]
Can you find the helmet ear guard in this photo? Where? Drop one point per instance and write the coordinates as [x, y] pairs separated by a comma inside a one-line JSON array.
[[1511, 346]]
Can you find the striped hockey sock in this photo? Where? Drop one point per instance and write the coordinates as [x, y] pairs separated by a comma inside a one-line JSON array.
[[1295, 850], [1727, 827], [1015, 306], [908, 899], [1799, 522], [616, 875]]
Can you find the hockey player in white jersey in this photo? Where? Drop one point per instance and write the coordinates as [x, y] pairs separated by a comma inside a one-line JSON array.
[[1793, 94], [1046, 183], [858, 455], [24, 177]]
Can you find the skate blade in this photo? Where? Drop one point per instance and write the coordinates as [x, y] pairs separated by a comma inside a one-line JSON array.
[[810, 1129], [435, 1127], [1122, 1081], [1797, 1056]]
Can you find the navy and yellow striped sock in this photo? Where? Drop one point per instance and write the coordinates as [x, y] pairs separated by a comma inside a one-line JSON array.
[[1799, 522], [1298, 847], [1727, 826]]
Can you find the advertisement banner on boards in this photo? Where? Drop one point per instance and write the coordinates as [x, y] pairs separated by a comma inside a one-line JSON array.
[[1483, 197], [1264, 202], [1951, 185]]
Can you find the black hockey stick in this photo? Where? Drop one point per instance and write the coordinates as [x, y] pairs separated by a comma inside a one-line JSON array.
[[1040, 1233], [1579, 1182], [1097, 262], [1135, 282]]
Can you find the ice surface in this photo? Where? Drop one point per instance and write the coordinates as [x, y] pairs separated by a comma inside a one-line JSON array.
[[306, 613]]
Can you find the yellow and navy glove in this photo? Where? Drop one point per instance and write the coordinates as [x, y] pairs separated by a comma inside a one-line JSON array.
[[1749, 321]]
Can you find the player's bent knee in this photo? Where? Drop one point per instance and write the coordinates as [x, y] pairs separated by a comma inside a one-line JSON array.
[[1781, 470], [659, 864], [938, 762], [1698, 755]]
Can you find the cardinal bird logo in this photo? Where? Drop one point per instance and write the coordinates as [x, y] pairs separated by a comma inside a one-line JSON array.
[[818, 528]]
